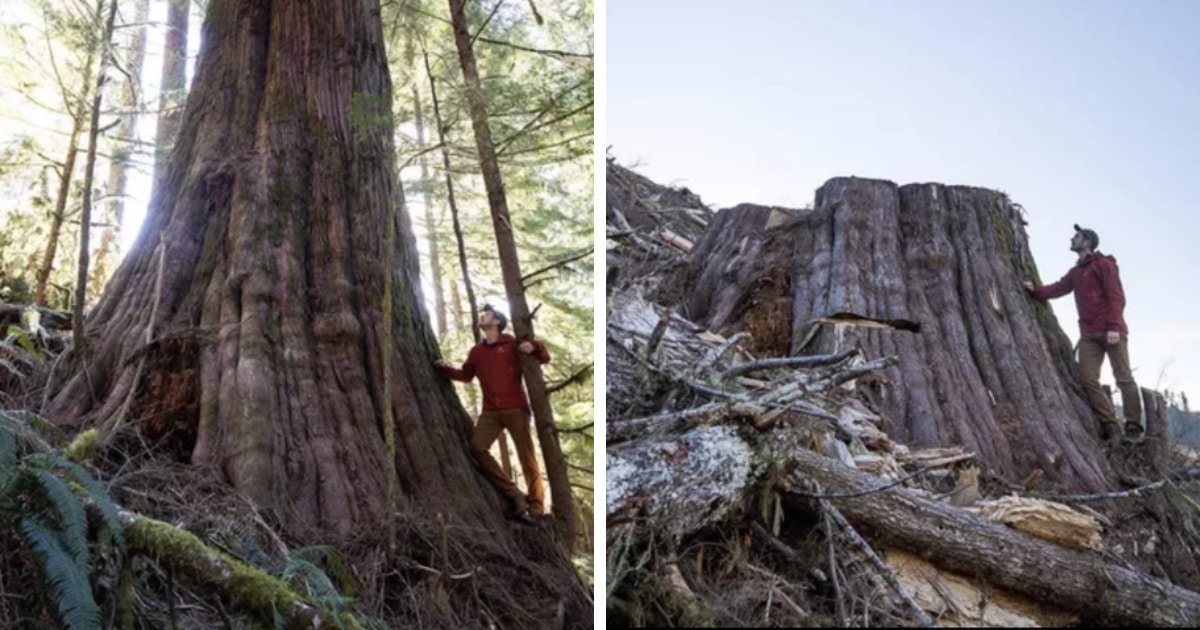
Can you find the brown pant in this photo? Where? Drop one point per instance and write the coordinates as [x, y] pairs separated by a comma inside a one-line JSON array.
[[1091, 355], [490, 424]]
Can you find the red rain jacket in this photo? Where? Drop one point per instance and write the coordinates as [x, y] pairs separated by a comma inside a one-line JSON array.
[[499, 370], [1099, 297]]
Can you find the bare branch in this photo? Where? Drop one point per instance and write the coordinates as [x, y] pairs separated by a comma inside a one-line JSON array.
[[560, 263], [540, 51], [577, 377]]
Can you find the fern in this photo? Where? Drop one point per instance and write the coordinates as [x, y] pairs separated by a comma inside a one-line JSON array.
[[74, 519], [319, 588], [333, 559], [33, 429], [72, 591], [95, 492]]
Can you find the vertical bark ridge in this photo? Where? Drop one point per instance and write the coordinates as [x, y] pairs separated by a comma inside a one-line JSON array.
[[990, 369], [270, 212]]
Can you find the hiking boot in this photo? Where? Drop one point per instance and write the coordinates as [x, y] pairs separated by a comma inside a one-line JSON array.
[[518, 510], [1134, 431]]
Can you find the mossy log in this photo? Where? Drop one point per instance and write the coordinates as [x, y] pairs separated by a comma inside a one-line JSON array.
[[249, 588]]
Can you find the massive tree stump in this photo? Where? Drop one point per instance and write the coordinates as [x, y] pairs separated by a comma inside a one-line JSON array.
[[990, 369]]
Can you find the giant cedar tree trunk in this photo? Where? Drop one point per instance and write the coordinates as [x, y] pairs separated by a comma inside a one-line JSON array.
[[267, 329], [990, 369]]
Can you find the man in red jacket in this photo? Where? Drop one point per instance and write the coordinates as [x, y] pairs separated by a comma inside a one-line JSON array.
[[1100, 301], [494, 360]]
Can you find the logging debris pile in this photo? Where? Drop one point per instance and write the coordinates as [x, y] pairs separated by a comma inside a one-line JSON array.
[[756, 491]]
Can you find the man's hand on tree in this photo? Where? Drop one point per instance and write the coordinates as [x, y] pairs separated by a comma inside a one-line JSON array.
[[440, 364], [1029, 286], [1114, 338], [525, 347]]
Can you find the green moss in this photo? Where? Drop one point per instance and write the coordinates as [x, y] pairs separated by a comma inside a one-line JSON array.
[[1001, 227], [249, 587], [83, 447]]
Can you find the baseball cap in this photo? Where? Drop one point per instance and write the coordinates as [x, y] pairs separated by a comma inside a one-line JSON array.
[[1090, 235], [500, 317]]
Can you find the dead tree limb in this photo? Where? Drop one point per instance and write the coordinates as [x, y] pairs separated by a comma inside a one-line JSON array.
[[790, 362]]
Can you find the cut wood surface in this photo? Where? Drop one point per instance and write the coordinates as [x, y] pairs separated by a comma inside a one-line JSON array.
[[957, 601], [1047, 520]]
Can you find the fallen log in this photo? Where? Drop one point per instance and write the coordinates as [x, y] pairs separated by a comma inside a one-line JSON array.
[[959, 602], [249, 588], [679, 485], [962, 542]]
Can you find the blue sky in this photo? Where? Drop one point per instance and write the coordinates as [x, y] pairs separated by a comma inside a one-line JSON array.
[[1082, 111]]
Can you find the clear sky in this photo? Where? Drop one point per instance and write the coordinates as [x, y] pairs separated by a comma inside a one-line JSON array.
[[1082, 111]]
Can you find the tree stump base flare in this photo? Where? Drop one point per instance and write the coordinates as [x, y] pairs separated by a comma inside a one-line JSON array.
[[947, 258]]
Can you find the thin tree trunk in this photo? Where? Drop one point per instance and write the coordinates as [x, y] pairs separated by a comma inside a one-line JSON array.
[[556, 464], [127, 135], [89, 172], [60, 206], [461, 321], [456, 303], [458, 232], [64, 187], [435, 259], [173, 90]]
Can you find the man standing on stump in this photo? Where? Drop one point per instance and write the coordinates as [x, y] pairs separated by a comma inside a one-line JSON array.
[[1100, 301], [495, 361]]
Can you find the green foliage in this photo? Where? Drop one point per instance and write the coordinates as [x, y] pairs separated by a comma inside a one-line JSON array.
[[541, 119], [72, 589], [70, 515], [301, 572], [312, 581], [46, 497]]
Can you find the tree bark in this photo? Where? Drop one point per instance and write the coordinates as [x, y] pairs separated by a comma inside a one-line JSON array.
[[556, 464], [127, 136], [266, 328], [990, 370], [270, 312], [173, 85], [89, 171]]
